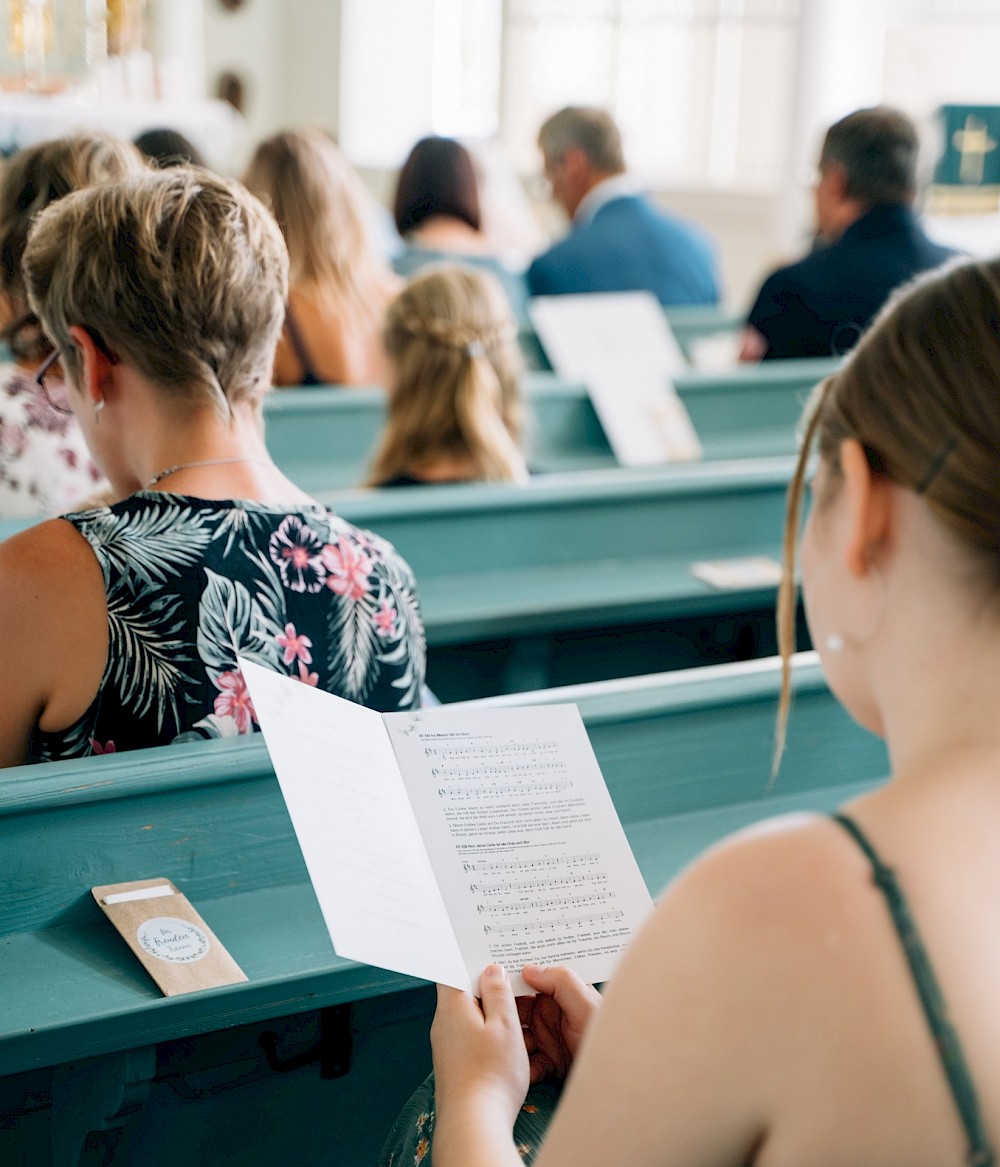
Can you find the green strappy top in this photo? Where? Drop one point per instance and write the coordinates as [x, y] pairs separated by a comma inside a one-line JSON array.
[[980, 1153]]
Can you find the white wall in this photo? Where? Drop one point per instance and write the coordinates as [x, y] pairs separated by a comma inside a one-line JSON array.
[[287, 53]]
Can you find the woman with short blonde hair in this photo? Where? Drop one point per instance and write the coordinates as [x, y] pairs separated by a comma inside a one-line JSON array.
[[122, 626], [455, 410], [338, 286]]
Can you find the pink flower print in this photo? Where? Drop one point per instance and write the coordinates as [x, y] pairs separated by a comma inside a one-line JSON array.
[[306, 677], [385, 619], [296, 647], [97, 748], [347, 569], [234, 700], [43, 415], [13, 439], [70, 457], [296, 549]]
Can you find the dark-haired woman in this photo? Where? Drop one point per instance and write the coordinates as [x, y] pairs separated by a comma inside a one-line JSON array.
[[438, 214]]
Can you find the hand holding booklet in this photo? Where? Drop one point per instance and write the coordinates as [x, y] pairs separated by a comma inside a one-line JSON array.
[[444, 840]]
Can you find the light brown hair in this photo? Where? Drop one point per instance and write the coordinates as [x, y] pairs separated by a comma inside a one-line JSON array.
[[32, 179], [920, 395], [182, 273], [453, 340], [591, 130], [318, 201]]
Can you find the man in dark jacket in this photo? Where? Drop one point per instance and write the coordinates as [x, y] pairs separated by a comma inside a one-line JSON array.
[[869, 241]]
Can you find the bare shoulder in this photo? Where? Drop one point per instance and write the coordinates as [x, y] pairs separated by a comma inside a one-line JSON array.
[[40, 558], [50, 580], [53, 632], [769, 889]]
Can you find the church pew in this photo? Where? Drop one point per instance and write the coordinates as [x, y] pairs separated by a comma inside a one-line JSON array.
[[693, 322], [84, 1034], [323, 438], [584, 576]]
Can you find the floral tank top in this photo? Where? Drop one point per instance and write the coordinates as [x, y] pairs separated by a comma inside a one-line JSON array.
[[193, 583]]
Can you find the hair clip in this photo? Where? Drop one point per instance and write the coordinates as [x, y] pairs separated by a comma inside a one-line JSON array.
[[935, 468], [475, 349]]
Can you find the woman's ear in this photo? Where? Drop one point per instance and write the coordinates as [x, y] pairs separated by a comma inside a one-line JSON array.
[[95, 366], [868, 511]]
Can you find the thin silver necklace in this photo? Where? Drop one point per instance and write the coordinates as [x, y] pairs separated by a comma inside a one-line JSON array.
[[205, 462]]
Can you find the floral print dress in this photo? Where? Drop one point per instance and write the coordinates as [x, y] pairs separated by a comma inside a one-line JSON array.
[[45, 466], [193, 583]]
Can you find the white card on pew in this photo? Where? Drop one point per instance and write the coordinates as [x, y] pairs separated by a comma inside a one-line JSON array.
[[490, 834], [752, 571], [621, 346], [617, 330]]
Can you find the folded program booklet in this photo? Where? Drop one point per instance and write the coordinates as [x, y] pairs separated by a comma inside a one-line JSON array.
[[444, 840]]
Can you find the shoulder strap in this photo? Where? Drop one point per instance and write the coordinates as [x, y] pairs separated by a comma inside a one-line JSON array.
[[956, 1069], [299, 345]]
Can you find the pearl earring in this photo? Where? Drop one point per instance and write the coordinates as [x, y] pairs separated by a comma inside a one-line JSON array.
[[98, 406], [834, 642]]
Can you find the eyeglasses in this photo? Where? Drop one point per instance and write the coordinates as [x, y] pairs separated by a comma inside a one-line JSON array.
[[52, 369]]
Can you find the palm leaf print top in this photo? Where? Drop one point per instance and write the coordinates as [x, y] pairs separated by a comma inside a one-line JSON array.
[[193, 583]]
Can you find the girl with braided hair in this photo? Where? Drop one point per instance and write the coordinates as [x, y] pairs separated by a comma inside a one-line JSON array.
[[454, 401]]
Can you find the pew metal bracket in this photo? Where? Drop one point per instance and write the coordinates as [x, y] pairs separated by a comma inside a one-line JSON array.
[[333, 1049], [99, 1094]]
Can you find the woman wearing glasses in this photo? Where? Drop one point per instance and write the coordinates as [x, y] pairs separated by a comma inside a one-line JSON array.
[[121, 626], [45, 466]]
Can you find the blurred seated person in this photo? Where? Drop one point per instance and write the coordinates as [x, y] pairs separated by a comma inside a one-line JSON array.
[[869, 241], [619, 241], [165, 147], [438, 215], [120, 627], [45, 466], [339, 287], [454, 402]]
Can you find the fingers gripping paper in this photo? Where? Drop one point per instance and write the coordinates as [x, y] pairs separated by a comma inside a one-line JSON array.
[[440, 841]]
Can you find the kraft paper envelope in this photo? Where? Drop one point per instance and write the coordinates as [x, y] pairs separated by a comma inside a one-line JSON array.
[[173, 943]]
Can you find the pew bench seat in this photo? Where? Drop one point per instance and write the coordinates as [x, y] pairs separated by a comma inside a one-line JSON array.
[[466, 607], [88, 1044], [73, 992]]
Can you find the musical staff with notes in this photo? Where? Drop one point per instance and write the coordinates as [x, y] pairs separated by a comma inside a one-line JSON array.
[[440, 841]]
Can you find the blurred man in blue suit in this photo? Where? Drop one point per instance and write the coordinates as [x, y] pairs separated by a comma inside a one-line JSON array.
[[620, 241]]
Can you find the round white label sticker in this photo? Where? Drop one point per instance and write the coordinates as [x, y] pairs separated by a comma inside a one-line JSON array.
[[173, 940]]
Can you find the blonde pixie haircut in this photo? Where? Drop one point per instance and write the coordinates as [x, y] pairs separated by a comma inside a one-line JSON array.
[[318, 201], [182, 273], [920, 393], [453, 341]]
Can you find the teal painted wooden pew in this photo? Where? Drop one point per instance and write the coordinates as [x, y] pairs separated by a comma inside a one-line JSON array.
[[581, 577], [690, 323], [85, 1037], [693, 322], [323, 438]]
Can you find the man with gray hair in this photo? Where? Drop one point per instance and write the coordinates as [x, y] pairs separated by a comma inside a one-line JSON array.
[[869, 241], [620, 241]]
